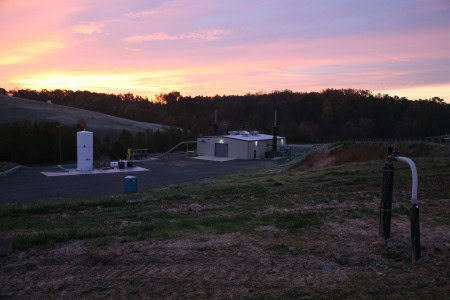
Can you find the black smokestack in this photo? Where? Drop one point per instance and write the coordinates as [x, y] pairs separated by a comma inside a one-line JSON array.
[[275, 134], [216, 127]]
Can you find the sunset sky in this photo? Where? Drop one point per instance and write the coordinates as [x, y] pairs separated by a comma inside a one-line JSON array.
[[209, 47]]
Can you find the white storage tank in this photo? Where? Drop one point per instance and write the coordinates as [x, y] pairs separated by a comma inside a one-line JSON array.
[[85, 151]]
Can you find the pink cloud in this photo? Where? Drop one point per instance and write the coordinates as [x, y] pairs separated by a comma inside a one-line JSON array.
[[170, 12], [200, 35], [133, 49], [88, 28], [144, 13], [151, 37], [207, 35]]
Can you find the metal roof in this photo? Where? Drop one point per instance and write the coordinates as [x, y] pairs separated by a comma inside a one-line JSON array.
[[258, 137]]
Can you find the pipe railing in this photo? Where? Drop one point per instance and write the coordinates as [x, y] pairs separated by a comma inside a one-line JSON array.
[[386, 200]]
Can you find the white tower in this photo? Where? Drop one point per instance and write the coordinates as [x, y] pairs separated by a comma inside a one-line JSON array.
[[85, 150]]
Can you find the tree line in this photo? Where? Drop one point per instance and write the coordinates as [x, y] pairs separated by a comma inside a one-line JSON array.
[[332, 114], [45, 142]]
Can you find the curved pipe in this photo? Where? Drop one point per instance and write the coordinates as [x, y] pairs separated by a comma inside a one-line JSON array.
[[414, 178]]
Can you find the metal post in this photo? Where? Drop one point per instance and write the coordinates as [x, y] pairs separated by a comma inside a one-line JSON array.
[[415, 232], [414, 211], [386, 197]]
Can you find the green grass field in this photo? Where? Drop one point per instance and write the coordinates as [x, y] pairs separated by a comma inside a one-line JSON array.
[[284, 232]]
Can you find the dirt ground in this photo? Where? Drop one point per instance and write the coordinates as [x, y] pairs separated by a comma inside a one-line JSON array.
[[334, 260], [277, 233]]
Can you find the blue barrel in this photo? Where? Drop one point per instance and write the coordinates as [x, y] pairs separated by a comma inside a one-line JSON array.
[[130, 184]]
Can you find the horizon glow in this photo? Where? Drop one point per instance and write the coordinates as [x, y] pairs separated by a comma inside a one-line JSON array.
[[227, 47]]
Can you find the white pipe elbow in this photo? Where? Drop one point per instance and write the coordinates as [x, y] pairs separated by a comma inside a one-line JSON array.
[[412, 165]]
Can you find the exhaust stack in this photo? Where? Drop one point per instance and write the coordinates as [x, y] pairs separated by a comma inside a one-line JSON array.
[[275, 133], [216, 126]]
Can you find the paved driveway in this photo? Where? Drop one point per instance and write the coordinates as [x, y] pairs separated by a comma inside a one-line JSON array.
[[28, 184]]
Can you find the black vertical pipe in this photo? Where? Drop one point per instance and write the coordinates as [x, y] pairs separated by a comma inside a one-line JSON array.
[[216, 127], [275, 134], [415, 232], [386, 198], [274, 140]]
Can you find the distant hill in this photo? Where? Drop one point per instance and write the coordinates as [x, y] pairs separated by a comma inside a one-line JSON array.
[[331, 115], [13, 109]]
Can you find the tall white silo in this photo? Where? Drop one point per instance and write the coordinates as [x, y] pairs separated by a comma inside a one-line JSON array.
[[85, 151]]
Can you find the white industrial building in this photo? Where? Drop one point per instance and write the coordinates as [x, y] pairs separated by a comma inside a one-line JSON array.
[[238, 145], [85, 151]]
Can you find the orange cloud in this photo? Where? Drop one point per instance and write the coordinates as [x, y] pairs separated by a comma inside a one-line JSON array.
[[28, 51], [420, 92], [138, 82]]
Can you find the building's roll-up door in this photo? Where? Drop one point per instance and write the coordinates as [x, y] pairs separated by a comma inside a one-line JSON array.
[[221, 150]]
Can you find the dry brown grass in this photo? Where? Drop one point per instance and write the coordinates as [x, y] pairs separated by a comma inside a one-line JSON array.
[[356, 153]]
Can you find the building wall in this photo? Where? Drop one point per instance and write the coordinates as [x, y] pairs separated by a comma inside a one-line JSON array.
[[206, 145], [261, 148], [237, 148]]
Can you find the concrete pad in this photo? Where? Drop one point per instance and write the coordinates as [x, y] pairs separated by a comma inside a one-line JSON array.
[[214, 158], [72, 172]]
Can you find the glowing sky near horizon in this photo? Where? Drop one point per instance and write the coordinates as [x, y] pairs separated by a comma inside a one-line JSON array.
[[209, 47]]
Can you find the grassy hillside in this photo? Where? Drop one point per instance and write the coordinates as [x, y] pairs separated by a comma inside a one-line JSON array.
[[292, 231], [14, 109]]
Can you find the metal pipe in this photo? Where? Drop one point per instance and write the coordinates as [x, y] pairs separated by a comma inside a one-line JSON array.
[[415, 232], [412, 165], [414, 211], [275, 134], [386, 198]]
